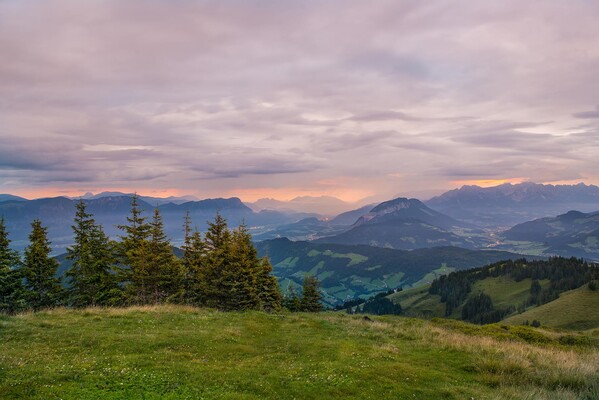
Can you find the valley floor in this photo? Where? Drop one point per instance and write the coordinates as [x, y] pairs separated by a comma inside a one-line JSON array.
[[170, 352]]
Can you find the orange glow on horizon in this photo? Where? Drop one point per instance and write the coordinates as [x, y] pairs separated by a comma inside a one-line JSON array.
[[488, 182], [286, 194]]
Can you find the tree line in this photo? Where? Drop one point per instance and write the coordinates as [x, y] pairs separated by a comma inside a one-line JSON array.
[[561, 273], [219, 269]]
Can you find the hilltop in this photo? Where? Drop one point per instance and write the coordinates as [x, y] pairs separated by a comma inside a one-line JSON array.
[[168, 352]]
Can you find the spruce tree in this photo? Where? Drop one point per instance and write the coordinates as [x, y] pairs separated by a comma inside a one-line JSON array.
[[268, 288], [12, 291], [39, 270], [292, 301], [194, 254], [165, 273], [213, 285], [194, 263], [92, 277], [133, 255], [311, 298], [239, 274]]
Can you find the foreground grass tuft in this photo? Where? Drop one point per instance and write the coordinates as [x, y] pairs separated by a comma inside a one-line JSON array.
[[171, 352]]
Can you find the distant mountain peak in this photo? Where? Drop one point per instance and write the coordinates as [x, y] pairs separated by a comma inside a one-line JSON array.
[[397, 204]]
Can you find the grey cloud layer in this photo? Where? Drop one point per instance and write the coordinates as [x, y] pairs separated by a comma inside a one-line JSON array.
[[402, 96]]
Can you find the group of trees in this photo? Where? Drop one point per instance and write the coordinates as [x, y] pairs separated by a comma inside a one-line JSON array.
[[309, 300], [561, 274], [219, 269]]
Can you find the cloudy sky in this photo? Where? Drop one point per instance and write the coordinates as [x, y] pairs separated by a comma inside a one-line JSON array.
[[285, 98]]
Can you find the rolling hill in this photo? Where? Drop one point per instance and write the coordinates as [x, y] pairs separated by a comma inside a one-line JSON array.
[[563, 299], [576, 309]]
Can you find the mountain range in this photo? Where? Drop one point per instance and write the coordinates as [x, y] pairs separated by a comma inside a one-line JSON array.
[[154, 201], [469, 217], [322, 205], [571, 234], [57, 214], [507, 205]]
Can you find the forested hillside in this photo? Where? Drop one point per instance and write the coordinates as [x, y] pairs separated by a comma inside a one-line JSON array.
[[496, 291]]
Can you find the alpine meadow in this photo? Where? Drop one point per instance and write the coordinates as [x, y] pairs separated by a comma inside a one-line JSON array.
[[299, 200]]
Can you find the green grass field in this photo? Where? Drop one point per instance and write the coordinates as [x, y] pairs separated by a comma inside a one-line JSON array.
[[173, 352], [504, 291], [575, 309]]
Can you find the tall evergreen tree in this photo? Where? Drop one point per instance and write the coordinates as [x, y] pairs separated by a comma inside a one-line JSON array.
[[39, 270], [92, 277], [239, 274], [194, 263], [291, 300], [214, 285], [165, 272], [12, 291], [194, 253], [311, 297], [268, 288], [133, 255]]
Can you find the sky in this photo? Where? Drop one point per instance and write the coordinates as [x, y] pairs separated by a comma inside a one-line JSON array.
[[279, 99]]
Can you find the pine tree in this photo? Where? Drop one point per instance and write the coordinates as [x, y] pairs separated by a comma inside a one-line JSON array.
[[92, 276], [239, 274], [311, 298], [12, 291], [133, 255], [165, 272], [194, 258], [268, 288], [213, 285], [291, 301], [194, 264], [39, 270]]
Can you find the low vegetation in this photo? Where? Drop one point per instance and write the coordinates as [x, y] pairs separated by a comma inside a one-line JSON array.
[[182, 352]]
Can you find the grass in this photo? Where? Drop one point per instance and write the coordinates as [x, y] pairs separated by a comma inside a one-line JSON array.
[[173, 352], [504, 291], [576, 309]]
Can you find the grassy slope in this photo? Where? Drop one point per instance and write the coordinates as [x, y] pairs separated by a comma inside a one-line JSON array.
[[575, 309], [178, 353], [505, 291], [417, 302]]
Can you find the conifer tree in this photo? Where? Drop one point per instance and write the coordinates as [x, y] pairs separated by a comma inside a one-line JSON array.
[[92, 276], [39, 270], [213, 287], [194, 262], [133, 255], [165, 272], [12, 291], [194, 253], [311, 298], [268, 288], [239, 274], [292, 301]]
